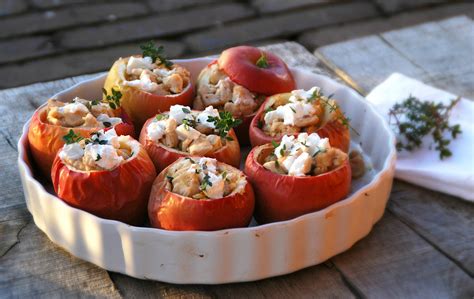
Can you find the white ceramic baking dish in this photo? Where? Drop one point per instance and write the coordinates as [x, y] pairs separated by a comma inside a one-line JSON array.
[[232, 255]]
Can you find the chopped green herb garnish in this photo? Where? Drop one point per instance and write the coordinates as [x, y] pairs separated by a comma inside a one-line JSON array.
[[282, 150], [161, 117], [114, 99], [107, 124], [205, 182], [169, 178], [275, 144], [98, 157], [186, 110], [414, 119], [224, 122], [262, 61], [189, 123], [150, 50], [268, 109], [72, 137], [293, 109]]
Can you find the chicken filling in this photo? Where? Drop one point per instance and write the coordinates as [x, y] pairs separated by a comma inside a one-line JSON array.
[[81, 114], [218, 90], [304, 155], [198, 133], [102, 151], [153, 77], [302, 111], [204, 178]]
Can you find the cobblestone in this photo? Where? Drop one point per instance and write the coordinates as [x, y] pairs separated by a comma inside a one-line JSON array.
[[281, 25]]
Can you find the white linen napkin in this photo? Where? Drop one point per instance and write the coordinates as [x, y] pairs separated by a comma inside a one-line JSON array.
[[453, 175]]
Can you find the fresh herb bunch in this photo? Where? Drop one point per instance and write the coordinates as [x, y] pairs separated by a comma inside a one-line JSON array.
[[262, 61], [150, 50], [72, 137], [113, 99], [224, 122], [413, 119]]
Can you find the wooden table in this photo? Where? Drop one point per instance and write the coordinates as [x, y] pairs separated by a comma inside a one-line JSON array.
[[423, 247]]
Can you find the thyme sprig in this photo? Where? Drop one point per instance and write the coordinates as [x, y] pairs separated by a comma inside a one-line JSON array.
[[414, 119], [112, 99], [224, 123], [150, 50], [72, 137], [333, 107]]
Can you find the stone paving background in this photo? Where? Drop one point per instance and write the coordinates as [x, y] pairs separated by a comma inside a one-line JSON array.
[[42, 40]]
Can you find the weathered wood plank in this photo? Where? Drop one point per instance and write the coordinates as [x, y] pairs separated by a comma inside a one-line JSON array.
[[437, 53], [393, 262], [444, 221], [320, 281], [449, 222], [30, 265], [35, 267]]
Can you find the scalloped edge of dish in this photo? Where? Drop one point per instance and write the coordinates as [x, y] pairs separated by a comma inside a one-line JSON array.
[[232, 255]]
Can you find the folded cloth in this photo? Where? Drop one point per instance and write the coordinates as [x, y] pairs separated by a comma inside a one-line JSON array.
[[453, 175]]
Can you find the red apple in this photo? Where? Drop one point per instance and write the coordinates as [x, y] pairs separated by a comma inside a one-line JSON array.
[[337, 132], [171, 211], [162, 155], [141, 105], [46, 139], [119, 194], [240, 64], [283, 197]]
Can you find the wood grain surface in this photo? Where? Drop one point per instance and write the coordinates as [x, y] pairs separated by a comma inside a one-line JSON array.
[[422, 247]]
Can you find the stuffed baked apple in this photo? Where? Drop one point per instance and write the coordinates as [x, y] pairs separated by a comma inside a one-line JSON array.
[[300, 111], [200, 194], [149, 83], [239, 81], [182, 132], [302, 174], [54, 120], [107, 175]]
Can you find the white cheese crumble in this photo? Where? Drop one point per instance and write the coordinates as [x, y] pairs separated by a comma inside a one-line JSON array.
[[297, 153], [156, 129], [102, 151], [207, 167], [297, 108], [203, 117], [71, 151], [139, 63], [73, 108]]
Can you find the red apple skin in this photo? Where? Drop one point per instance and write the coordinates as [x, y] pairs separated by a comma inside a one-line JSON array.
[[46, 139], [162, 155], [239, 63], [120, 194], [283, 197], [171, 211], [337, 133], [141, 105]]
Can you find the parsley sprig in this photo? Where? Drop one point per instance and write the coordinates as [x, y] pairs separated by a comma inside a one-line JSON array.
[[206, 182], [224, 122], [414, 119], [262, 61], [112, 99], [150, 50]]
